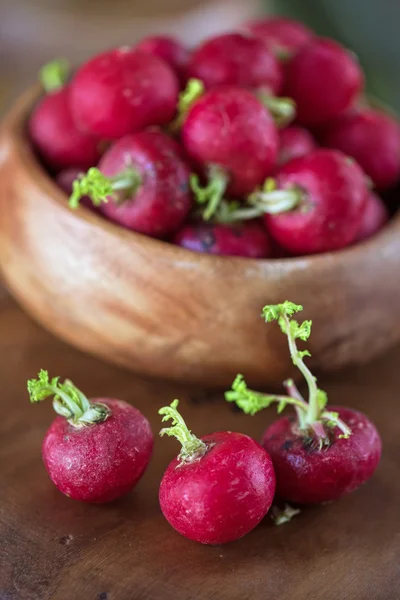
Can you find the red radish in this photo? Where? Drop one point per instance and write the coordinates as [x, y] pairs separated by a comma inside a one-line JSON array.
[[295, 142], [236, 59], [316, 203], [95, 450], [52, 129], [219, 487], [324, 80], [281, 35], [322, 453], [121, 91], [143, 182], [375, 216], [373, 139], [249, 239], [169, 49], [230, 129]]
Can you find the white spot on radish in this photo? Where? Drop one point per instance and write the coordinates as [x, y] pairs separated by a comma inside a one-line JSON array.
[[124, 49], [127, 93], [242, 495]]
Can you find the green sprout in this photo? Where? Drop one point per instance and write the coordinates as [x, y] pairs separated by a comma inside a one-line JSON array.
[[192, 447], [311, 415]]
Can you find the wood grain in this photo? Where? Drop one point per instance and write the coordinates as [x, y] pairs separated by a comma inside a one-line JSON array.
[[161, 310], [53, 548]]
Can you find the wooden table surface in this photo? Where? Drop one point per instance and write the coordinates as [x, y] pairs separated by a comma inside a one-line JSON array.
[[53, 547]]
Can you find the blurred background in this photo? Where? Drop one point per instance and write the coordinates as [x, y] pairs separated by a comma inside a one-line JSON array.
[[34, 31]]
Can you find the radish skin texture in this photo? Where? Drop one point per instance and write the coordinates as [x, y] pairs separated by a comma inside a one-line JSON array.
[[230, 128], [247, 239], [55, 136], [122, 91], [236, 59], [100, 462], [308, 475], [324, 80], [162, 201], [221, 496]]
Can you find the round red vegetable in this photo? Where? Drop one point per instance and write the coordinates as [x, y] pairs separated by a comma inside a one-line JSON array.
[[316, 203], [295, 142], [324, 80], [281, 35], [307, 475], [249, 239], [219, 487], [142, 183], [169, 49], [236, 59], [373, 139], [375, 216], [230, 128], [96, 450], [324, 452], [121, 91], [51, 127]]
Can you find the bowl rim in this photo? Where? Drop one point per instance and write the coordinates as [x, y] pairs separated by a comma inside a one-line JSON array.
[[13, 129]]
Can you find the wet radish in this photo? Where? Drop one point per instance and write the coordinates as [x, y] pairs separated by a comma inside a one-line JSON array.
[[232, 138], [219, 487], [142, 183], [95, 450], [52, 129], [324, 451], [122, 91], [315, 204]]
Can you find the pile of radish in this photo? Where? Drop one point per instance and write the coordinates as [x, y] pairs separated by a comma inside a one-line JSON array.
[[258, 143], [220, 486]]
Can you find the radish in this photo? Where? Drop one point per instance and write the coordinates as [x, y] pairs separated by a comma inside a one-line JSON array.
[[282, 36], [121, 91], [295, 141], [323, 452], [375, 216], [248, 239], [324, 80], [142, 183], [51, 127], [95, 450], [315, 204], [373, 139], [219, 487], [240, 60], [231, 137], [169, 49], [236, 59]]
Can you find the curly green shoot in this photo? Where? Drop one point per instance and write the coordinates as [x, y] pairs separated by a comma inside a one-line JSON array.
[[54, 74], [101, 188], [192, 447], [68, 400], [311, 414]]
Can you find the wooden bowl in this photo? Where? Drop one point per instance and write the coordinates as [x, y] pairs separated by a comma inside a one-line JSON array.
[[161, 310]]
